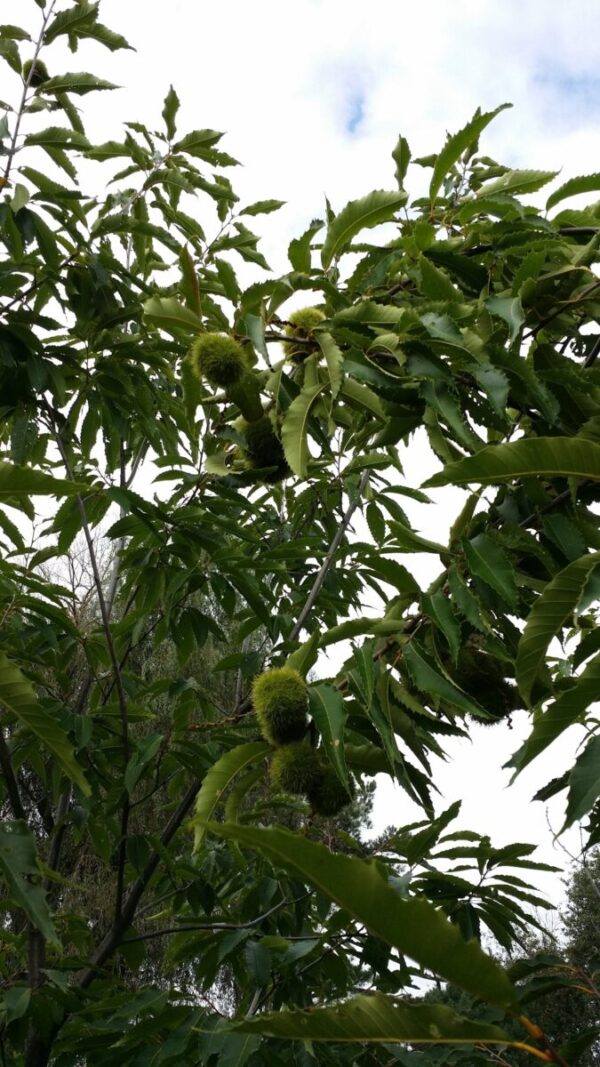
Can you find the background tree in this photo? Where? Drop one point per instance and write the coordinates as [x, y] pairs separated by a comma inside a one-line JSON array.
[[229, 447]]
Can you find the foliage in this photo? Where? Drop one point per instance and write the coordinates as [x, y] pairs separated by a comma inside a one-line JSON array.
[[557, 975], [467, 324]]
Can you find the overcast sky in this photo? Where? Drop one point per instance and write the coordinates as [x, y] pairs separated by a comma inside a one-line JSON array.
[[312, 95]]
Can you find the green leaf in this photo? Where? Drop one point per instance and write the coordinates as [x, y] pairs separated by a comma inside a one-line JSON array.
[[413, 926], [79, 83], [14, 33], [427, 677], [584, 783], [588, 183], [294, 429], [19, 198], [562, 457], [70, 21], [306, 655], [169, 111], [262, 207], [517, 181], [456, 145], [334, 359], [548, 615], [18, 696], [488, 561], [21, 872], [219, 778], [196, 142], [329, 713], [108, 150], [401, 157], [409, 540], [167, 313], [299, 253], [494, 383], [375, 1018], [435, 283], [378, 206], [562, 713], [9, 51], [510, 309], [57, 137], [439, 610], [97, 32], [361, 396], [18, 481]]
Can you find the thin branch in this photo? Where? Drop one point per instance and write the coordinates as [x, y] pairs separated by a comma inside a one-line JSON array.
[[191, 927], [12, 786], [593, 354], [113, 938], [121, 697], [329, 558], [21, 109]]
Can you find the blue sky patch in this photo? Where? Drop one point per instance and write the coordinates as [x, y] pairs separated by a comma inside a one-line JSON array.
[[355, 111]]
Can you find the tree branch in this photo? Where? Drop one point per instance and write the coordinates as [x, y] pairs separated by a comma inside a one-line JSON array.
[[12, 786], [114, 936], [21, 109], [191, 927], [121, 697], [329, 558]]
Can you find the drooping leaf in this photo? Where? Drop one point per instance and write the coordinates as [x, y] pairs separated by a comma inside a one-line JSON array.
[[379, 206], [329, 713], [439, 609], [306, 655], [584, 783], [167, 313], [517, 181], [562, 713], [22, 874], [262, 207], [79, 83], [18, 696], [489, 562], [586, 183], [510, 309], [547, 616], [294, 429], [58, 137], [334, 358], [71, 20], [18, 481], [413, 926], [197, 141], [427, 677], [566, 457], [220, 777], [375, 1018]]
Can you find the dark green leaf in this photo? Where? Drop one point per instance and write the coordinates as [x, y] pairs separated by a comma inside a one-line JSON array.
[[547, 616], [169, 111], [566, 457], [329, 713], [413, 926], [22, 874], [18, 696]]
